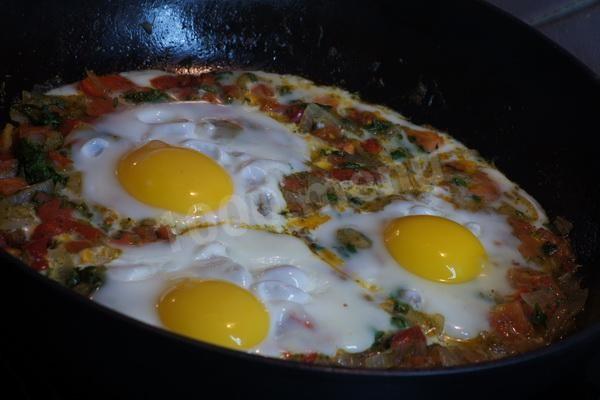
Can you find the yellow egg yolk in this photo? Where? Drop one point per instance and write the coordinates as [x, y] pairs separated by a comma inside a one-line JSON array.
[[174, 178], [435, 248], [216, 312]]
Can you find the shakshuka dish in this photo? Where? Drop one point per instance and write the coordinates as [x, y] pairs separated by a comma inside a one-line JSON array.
[[270, 215]]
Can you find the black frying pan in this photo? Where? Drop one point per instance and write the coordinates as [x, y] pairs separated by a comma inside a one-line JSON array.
[[460, 66]]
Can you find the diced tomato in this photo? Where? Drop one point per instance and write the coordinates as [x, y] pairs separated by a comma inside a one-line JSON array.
[[164, 233], [146, 234], [143, 234], [294, 183], [534, 241], [7, 165], [342, 174], [529, 280], [294, 113], [483, 186], [37, 250], [52, 209], [262, 91], [126, 238], [409, 340], [510, 321], [185, 93], [55, 221], [102, 86], [85, 230], [10, 186], [346, 145], [59, 160], [232, 91], [76, 246], [467, 166], [310, 357], [371, 146], [167, 82], [271, 105], [326, 100], [363, 118], [426, 140], [328, 133], [365, 177], [98, 106]]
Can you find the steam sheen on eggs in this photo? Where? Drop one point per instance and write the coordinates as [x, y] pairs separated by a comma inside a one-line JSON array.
[[216, 312], [435, 248], [174, 178]]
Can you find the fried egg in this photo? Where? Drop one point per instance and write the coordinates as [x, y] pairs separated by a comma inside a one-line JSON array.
[[188, 163], [440, 260], [244, 289]]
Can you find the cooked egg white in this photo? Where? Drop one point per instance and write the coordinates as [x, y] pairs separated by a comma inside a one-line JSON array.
[[447, 261], [198, 284], [188, 163]]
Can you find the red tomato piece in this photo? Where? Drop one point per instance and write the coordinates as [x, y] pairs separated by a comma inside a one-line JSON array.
[[98, 106], [59, 160], [371, 146], [102, 86], [426, 140], [510, 321], [262, 91], [10, 186], [76, 246], [328, 133], [409, 339], [342, 174]]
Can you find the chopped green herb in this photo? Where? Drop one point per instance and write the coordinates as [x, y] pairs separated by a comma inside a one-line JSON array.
[[378, 126], [399, 305], [399, 154], [146, 96], [356, 201], [399, 322], [35, 163], [476, 198], [246, 78], [332, 197], [86, 280], [346, 251], [549, 249], [39, 115], [379, 337], [84, 210], [350, 237], [458, 181], [351, 165], [209, 89]]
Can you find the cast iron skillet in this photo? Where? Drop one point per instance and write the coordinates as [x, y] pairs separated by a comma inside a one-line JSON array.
[[460, 66]]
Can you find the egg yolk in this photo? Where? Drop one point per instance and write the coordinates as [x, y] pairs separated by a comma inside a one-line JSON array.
[[435, 248], [216, 312], [174, 178]]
